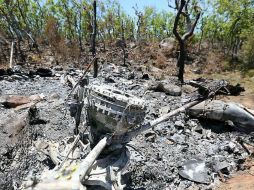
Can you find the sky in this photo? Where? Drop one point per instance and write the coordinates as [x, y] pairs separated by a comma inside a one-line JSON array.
[[158, 4]]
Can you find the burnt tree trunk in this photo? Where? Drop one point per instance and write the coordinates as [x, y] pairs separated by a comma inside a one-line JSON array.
[[80, 30], [139, 14], [182, 39], [95, 65], [180, 61], [123, 45]]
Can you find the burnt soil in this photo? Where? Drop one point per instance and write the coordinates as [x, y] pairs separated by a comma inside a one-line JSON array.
[[156, 156]]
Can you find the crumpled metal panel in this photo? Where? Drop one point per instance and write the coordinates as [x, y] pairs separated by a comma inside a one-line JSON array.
[[222, 111]]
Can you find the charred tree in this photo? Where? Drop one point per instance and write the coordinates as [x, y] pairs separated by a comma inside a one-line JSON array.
[[123, 45], [139, 14], [182, 9], [93, 44]]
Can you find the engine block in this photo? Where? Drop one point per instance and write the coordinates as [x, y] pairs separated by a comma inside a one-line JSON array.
[[111, 111]]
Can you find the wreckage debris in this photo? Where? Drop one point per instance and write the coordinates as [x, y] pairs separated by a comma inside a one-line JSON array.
[[205, 86], [164, 147], [44, 72], [221, 111], [13, 101], [195, 170], [14, 123], [116, 117], [17, 73]]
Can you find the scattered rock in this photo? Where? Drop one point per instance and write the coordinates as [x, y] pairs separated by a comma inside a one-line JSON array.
[[132, 45], [168, 89], [180, 139], [172, 90], [109, 79], [168, 43], [163, 110], [58, 68], [54, 96]]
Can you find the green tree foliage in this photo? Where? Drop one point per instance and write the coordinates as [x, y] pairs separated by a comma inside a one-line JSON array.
[[229, 24], [225, 24], [29, 19], [248, 50]]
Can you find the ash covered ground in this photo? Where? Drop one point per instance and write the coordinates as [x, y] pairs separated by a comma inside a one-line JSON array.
[[158, 156]]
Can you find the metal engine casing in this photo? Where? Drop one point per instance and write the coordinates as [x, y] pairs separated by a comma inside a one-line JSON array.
[[110, 111]]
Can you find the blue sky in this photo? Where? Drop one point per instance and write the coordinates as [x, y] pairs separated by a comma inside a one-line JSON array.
[[158, 4]]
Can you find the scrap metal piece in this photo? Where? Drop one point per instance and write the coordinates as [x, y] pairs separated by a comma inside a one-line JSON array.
[[106, 172], [87, 163], [206, 86], [221, 111], [195, 170], [217, 166]]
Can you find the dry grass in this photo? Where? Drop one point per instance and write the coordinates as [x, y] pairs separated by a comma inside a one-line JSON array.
[[160, 61], [59, 46]]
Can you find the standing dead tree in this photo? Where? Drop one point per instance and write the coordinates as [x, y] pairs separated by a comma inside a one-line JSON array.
[[182, 10], [93, 49], [139, 14], [123, 45]]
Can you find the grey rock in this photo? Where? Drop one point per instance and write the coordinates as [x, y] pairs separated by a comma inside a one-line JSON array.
[[172, 90], [54, 96], [132, 45], [168, 43], [169, 89], [58, 68]]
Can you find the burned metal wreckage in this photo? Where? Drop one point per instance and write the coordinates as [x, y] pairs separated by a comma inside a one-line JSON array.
[[112, 119], [174, 151]]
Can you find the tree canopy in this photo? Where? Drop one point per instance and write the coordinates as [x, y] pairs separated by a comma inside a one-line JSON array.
[[227, 24]]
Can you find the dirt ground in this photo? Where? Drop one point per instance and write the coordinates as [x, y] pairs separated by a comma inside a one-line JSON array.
[[159, 154]]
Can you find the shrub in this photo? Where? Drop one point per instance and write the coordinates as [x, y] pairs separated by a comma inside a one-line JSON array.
[[60, 46], [161, 61], [52, 31], [250, 73]]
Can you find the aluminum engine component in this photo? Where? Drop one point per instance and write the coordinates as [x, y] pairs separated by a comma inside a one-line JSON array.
[[111, 111]]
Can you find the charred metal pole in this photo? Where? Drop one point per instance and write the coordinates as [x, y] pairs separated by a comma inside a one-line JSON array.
[[11, 55], [95, 66], [159, 120], [87, 163]]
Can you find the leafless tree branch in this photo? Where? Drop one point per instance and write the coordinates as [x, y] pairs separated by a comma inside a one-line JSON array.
[[175, 32], [190, 32]]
